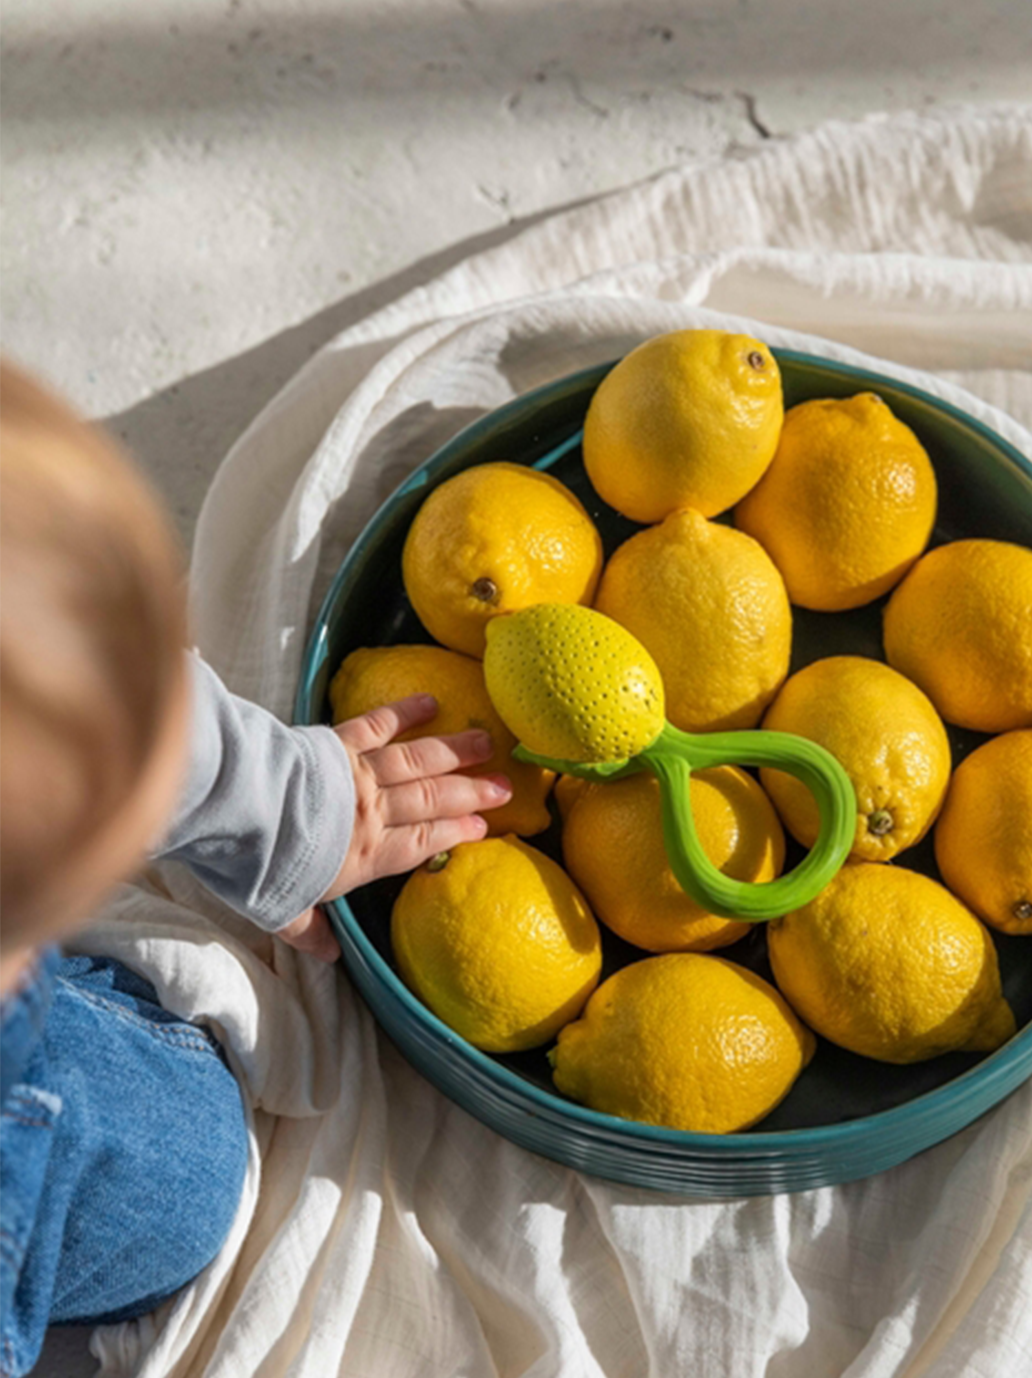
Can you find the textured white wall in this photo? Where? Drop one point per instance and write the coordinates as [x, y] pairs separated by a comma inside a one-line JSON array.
[[186, 180]]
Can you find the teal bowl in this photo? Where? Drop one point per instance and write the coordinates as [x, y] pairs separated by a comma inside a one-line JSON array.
[[846, 1117]]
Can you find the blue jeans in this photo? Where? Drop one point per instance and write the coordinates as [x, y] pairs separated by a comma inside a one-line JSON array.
[[123, 1148]]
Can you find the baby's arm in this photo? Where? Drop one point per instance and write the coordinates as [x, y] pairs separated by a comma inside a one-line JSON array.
[[274, 819]]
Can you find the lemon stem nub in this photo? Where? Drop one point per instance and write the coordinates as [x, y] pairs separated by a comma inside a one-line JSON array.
[[438, 862], [880, 822], [486, 590], [1023, 910], [757, 360]]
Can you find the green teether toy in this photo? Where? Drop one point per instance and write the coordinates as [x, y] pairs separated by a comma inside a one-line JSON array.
[[583, 696]]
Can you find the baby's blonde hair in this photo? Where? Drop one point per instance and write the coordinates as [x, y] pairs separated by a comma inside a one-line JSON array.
[[92, 626]]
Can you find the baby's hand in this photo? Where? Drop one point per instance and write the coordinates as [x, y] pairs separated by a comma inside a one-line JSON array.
[[408, 805]]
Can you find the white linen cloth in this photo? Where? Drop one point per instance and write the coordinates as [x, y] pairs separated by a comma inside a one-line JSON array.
[[385, 1232]]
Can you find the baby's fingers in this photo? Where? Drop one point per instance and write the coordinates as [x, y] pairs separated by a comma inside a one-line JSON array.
[[408, 847], [403, 761], [377, 728], [311, 932], [443, 796]]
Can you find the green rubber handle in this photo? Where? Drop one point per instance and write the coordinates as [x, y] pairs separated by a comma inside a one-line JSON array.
[[674, 755]]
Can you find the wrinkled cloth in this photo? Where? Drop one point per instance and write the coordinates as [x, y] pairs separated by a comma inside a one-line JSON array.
[[393, 1235]]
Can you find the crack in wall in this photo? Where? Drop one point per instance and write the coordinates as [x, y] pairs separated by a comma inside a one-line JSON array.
[[745, 99], [749, 102], [582, 99], [497, 200]]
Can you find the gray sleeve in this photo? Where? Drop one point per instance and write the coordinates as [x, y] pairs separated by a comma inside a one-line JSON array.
[[265, 815]]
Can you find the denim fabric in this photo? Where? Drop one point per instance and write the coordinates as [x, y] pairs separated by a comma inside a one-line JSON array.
[[123, 1148], [23, 1012]]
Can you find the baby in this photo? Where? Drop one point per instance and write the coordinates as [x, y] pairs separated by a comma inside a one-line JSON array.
[[122, 1138]]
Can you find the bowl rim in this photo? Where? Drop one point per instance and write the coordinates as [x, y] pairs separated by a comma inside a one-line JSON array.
[[994, 1069]]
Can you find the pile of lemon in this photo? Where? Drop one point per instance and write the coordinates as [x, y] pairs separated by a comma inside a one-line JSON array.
[[833, 505]]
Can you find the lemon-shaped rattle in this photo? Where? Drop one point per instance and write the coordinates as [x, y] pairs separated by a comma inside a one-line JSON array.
[[583, 696]]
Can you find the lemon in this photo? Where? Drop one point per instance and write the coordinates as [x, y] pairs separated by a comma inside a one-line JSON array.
[[496, 939], [886, 735], [711, 609], [492, 539], [613, 848], [568, 789], [885, 962], [847, 505], [373, 676], [684, 1040], [983, 840], [689, 419], [572, 684], [960, 626]]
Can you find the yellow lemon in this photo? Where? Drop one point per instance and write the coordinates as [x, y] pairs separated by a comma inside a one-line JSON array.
[[689, 419], [886, 735], [568, 789], [613, 848], [373, 676], [960, 626], [848, 504], [686, 1041], [885, 962], [496, 939], [983, 840], [573, 685], [493, 539], [711, 609]]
